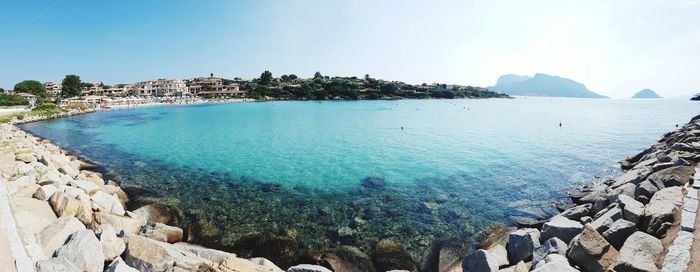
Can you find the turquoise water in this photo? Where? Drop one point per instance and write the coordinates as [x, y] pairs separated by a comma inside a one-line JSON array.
[[455, 167]]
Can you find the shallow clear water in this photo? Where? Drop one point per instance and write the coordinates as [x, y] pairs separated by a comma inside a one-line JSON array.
[[456, 166]]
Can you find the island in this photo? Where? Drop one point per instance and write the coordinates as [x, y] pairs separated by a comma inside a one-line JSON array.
[[646, 93], [542, 85]]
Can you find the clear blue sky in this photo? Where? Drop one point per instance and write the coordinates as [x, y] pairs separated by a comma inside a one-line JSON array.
[[614, 47]]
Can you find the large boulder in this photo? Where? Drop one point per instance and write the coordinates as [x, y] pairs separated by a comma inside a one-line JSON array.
[[146, 254], [84, 250], [162, 232], [637, 254], [108, 203], [659, 213], [112, 246], [64, 205], [447, 255], [561, 227], [156, 213], [267, 264], [478, 261], [673, 176], [55, 235], [591, 251], [32, 213], [552, 245], [521, 243], [632, 210], [618, 232]]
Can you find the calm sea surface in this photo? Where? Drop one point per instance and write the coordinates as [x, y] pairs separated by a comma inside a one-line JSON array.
[[355, 172]]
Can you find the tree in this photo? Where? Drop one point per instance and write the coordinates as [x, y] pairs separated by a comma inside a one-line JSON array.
[[266, 78], [285, 78], [318, 75], [32, 87], [293, 77], [70, 86]]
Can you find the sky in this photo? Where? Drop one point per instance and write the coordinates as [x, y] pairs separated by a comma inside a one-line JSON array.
[[615, 48]]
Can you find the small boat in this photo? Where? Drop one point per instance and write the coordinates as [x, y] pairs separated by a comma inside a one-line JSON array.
[[696, 97], [106, 107]]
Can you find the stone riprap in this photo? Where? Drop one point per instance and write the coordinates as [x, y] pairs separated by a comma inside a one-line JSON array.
[[56, 215], [617, 225]]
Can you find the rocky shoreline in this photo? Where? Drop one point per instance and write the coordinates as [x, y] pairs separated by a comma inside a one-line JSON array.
[[58, 215], [642, 220], [66, 217]]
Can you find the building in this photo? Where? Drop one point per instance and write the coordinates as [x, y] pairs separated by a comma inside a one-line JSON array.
[[94, 89], [160, 87], [52, 88], [212, 84]]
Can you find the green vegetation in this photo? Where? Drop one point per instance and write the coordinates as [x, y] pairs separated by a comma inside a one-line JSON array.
[[9, 100], [46, 109], [32, 87], [70, 86], [351, 88]]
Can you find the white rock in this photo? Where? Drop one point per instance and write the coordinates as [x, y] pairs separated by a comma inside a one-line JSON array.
[[637, 253], [112, 246], [108, 203], [308, 268], [61, 264], [45, 192], [563, 228], [84, 250]]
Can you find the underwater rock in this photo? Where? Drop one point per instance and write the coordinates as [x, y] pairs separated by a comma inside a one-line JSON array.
[[444, 255], [390, 256], [373, 182], [346, 259]]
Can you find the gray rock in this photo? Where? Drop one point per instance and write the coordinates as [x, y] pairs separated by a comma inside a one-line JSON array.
[[521, 243], [673, 176], [112, 246], [60, 264], [84, 250], [591, 251], [552, 245], [118, 265], [480, 260], [55, 235], [162, 232], [637, 253], [308, 268], [661, 209], [604, 221], [678, 255], [632, 210], [586, 220], [562, 228], [690, 204], [576, 212], [647, 189], [634, 176], [266, 263], [618, 232]]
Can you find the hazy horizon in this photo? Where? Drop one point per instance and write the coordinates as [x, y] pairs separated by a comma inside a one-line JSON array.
[[614, 48]]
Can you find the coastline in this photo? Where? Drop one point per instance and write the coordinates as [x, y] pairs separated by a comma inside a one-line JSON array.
[[599, 200]]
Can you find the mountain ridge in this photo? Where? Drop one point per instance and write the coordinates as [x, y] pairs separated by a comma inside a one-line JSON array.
[[542, 85]]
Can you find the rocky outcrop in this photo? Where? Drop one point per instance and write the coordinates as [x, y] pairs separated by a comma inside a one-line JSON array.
[[84, 251]]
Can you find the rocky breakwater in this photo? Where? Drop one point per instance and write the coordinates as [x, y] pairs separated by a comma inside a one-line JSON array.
[[625, 224], [58, 215]]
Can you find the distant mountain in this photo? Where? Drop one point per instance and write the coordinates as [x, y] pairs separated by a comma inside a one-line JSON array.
[[646, 93], [510, 79], [542, 85]]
